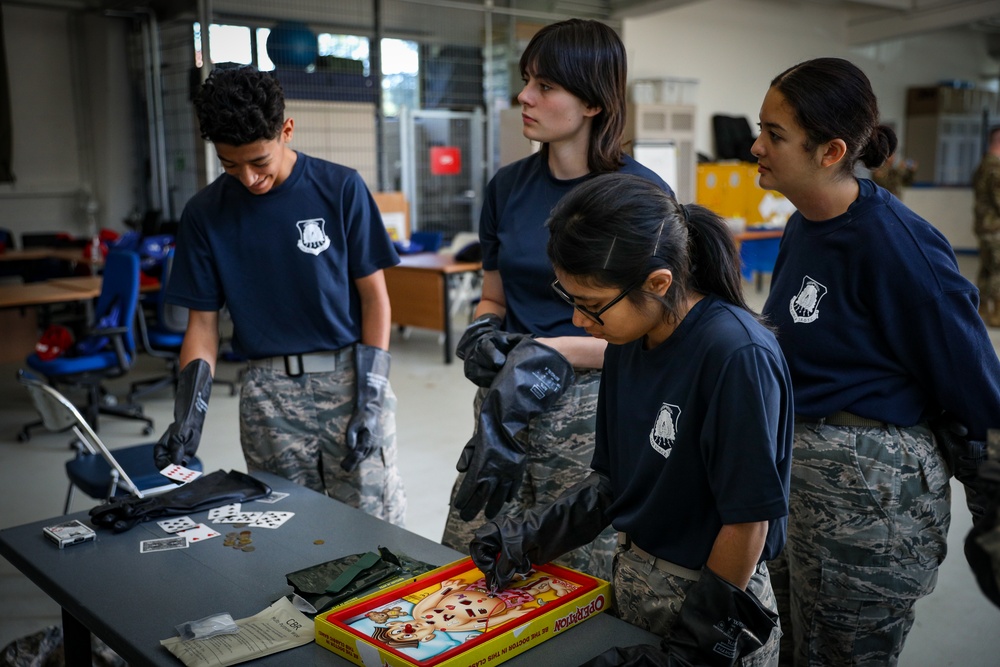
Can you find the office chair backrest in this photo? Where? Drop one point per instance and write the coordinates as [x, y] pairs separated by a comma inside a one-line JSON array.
[[120, 289], [171, 316], [59, 415]]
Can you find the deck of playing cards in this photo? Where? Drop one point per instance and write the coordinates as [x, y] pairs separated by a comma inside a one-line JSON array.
[[68, 533]]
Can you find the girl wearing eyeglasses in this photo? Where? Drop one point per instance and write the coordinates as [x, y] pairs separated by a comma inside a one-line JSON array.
[[573, 103], [694, 426]]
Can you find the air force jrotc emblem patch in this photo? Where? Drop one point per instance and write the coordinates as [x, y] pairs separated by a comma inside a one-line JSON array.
[[312, 236], [665, 429], [804, 306]]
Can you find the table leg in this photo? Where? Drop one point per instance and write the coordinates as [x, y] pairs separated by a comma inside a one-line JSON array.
[[76, 642], [447, 318]]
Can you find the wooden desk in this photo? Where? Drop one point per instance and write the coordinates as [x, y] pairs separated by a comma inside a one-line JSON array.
[[132, 600], [71, 255], [46, 293], [19, 317], [419, 292]]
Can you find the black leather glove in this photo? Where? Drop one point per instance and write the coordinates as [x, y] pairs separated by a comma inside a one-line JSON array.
[[718, 624], [511, 545], [484, 348], [364, 430], [641, 655], [180, 441], [963, 457], [531, 381], [212, 490]]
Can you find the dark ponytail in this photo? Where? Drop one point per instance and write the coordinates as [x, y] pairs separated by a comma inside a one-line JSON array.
[[615, 229]]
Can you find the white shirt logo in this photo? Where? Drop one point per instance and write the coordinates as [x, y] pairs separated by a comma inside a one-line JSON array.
[[312, 236], [804, 306], [664, 431]]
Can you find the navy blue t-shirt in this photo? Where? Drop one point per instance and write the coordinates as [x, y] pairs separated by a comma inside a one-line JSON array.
[[283, 262], [874, 318], [697, 433], [513, 235]]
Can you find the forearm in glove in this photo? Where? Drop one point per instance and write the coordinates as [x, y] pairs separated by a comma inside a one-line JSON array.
[[364, 430], [533, 379], [180, 441], [982, 544], [484, 348], [718, 624], [964, 457], [510, 545]]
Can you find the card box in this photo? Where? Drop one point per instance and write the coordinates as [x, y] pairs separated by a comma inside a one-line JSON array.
[[393, 626]]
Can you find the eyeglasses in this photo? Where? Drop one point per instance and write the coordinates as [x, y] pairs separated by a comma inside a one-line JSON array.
[[592, 314]]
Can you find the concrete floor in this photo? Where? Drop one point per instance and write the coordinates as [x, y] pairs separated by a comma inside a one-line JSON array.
[[956, 625]]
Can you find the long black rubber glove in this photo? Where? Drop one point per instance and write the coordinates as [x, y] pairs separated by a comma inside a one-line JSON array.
[[510, 545], [212, 490], [717, 626], [982, 544], [180, 441], [364, 430], [964, 457], [484, 348], [530, 383]]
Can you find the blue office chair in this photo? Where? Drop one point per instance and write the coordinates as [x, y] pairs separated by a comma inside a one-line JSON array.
[[108, 350], [98, 471], [164, 338]]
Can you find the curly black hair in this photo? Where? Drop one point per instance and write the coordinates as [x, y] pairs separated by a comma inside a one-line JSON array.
[[240, 105]]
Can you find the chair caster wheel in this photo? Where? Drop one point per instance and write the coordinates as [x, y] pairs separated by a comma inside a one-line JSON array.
[[147, 430], [23, 437]]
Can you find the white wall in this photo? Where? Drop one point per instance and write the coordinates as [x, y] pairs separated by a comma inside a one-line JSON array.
[[735, 47], [71, 117]]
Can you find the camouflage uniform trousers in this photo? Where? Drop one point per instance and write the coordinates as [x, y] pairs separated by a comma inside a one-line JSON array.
[[295, 427], [988, 278], [868, 521], [651, 599], [560, 446]]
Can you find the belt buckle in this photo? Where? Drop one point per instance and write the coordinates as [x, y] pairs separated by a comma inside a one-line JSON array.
[[293, 365]]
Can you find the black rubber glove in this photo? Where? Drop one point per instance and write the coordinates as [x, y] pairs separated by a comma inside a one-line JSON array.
[[718, 624], [364, 430], [212, 490], [531, 381], [511, 545], [180, 441], [484, 348], [982, 544], [642, 655], [963, 457]]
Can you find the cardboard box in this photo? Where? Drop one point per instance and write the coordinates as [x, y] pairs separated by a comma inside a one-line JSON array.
[[395, 214], [445, 618]]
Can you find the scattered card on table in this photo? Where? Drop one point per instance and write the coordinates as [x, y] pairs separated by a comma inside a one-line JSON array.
[[216, 514], [176, 524], [242, 517], [274, 497], [163, 544], [199, 533], [272, 519], [180, 473]]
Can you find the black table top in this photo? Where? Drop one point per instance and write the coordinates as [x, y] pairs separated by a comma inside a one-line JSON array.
[[132, 600]]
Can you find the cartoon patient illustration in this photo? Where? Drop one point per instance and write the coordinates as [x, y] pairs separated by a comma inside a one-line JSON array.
[[458, 607]]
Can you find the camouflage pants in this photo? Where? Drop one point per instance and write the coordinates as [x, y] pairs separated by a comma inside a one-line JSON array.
[[651, 599], [560, 446], [294, 427], [988, 280], [868, 521]]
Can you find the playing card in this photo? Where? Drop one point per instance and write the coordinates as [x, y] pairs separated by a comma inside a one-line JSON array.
[[272, 519], [273, 498], [176, 524], [180, 473], [242, 517], [199, 533], [163, 544], [217, 513]]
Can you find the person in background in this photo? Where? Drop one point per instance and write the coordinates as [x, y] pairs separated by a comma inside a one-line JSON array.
[[294, 247], [895, 379], [986, 188], [573, 103], [694, 429]]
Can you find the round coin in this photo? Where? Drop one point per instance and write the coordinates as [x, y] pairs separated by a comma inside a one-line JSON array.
[[248, 547], [319, 541]]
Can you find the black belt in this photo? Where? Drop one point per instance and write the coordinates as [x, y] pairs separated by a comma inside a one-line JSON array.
[[841, 419]]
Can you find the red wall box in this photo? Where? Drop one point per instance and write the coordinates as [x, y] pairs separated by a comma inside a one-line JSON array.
[[445, 618]]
